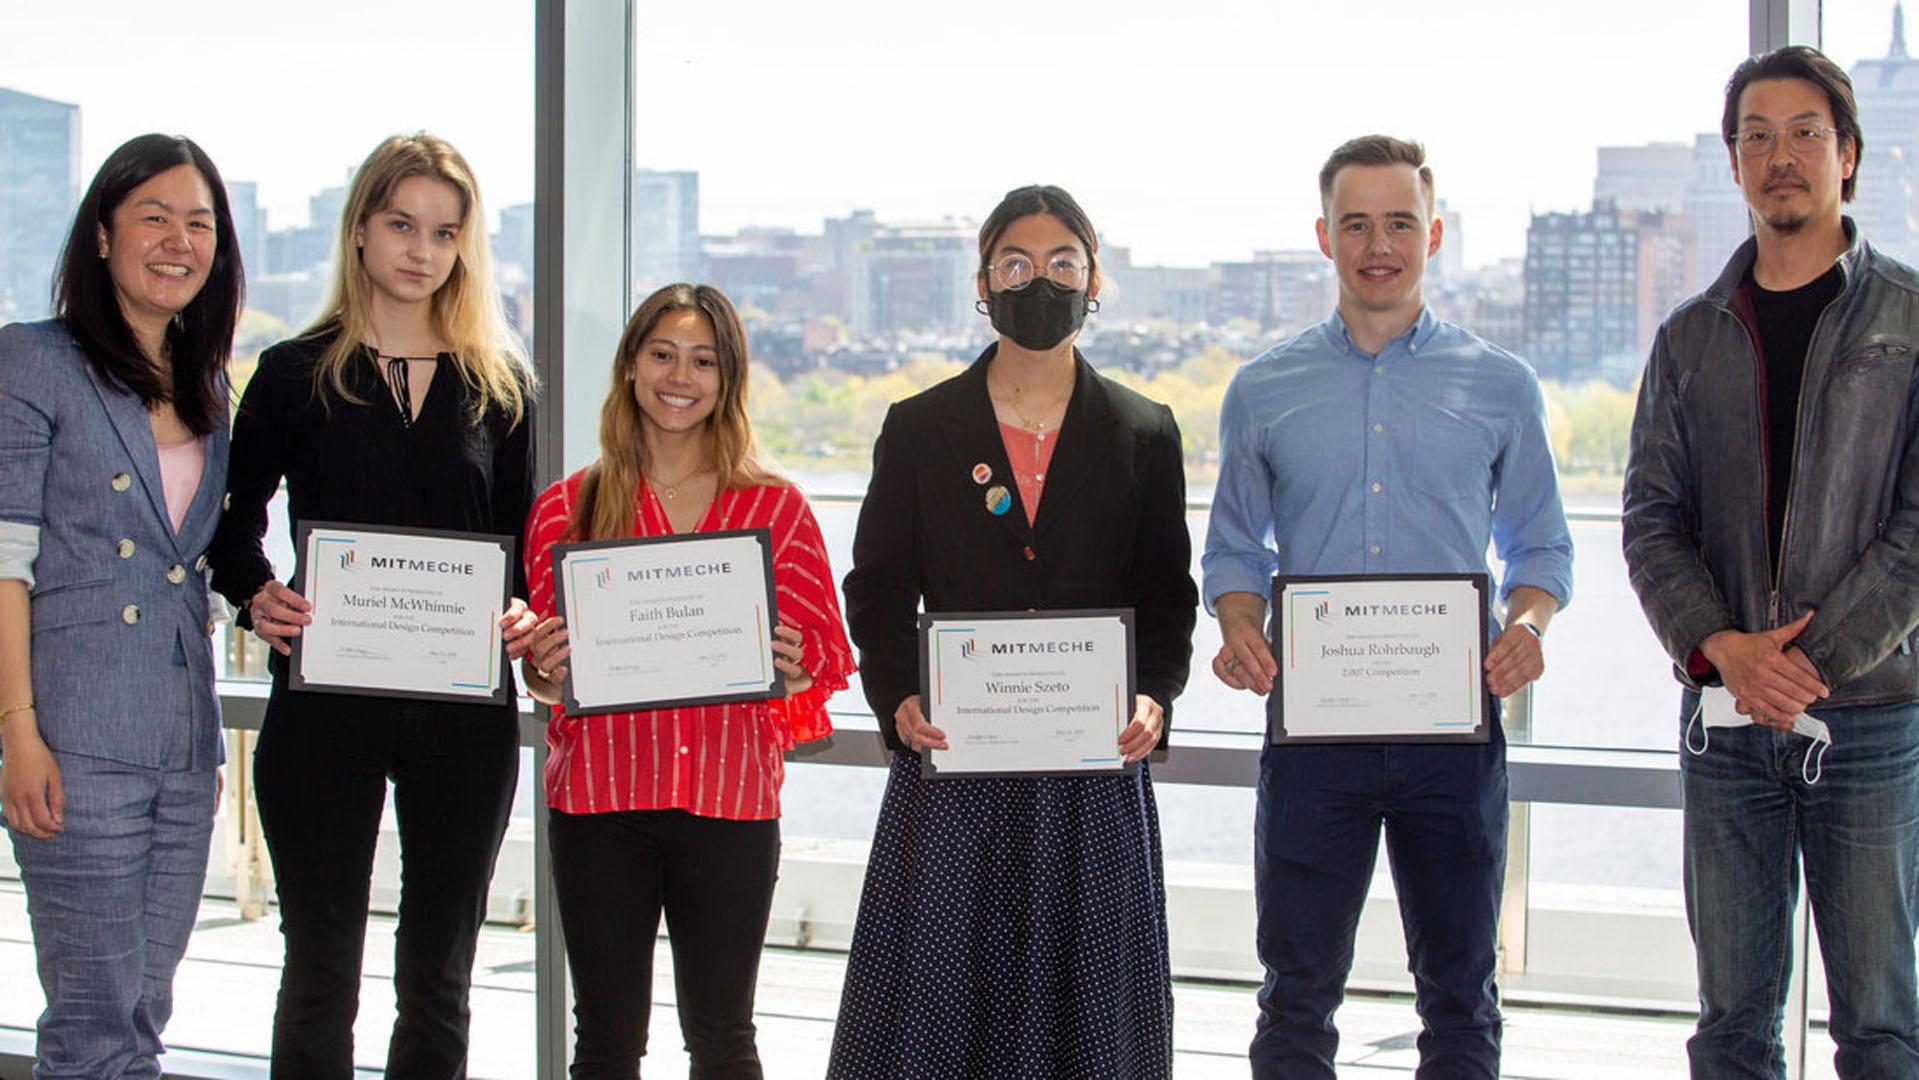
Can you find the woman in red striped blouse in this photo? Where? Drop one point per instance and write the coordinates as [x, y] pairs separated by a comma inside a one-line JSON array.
[[677, 809]]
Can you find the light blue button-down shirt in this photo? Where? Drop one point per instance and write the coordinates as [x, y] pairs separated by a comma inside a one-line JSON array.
[[1333, 461]]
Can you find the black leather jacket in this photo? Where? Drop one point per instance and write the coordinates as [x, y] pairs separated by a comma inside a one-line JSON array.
[[1696, 485]]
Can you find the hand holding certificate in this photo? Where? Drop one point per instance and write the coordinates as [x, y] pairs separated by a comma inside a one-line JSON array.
[[1035, 692], [1379, 658], [402, 613], [655, 622]]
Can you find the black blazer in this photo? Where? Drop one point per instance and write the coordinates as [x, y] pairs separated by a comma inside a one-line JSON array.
[[1111, 530]]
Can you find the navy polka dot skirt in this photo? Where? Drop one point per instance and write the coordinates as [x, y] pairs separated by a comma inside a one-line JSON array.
[[1010, 929]]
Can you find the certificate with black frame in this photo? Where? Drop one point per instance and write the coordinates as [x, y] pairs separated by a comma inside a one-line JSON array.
[[1379, 658], [662, 621], [1027, 693], [411, 613]]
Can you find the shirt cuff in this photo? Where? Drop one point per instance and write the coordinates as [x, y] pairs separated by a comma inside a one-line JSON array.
[[1236, 573], [19, 548]]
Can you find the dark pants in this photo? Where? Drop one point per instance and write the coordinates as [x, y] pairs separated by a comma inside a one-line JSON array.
[[322, 768], [1319, 817], [613, 875]]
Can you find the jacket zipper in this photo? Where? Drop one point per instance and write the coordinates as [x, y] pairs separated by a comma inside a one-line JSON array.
[[1792, 465]]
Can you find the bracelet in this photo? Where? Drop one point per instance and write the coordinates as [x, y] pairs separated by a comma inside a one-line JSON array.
[[1537, 632], [24, 706]]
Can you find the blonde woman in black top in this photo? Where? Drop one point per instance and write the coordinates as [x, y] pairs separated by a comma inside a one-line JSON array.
[[404, 405]]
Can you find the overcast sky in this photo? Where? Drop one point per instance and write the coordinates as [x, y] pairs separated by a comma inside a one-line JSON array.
[[1190, 131]]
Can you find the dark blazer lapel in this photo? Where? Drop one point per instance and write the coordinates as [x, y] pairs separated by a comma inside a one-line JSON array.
[[972, 437], [129, 417], [1085, 438]]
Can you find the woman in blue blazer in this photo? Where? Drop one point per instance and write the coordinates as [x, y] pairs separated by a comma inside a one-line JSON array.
[[113, 456]]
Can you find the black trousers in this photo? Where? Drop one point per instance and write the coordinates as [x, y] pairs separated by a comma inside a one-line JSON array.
[[614, 874], [321, 770]]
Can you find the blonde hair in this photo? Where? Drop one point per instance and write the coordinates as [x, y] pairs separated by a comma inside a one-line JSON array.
[[466, 310], [604, 509]]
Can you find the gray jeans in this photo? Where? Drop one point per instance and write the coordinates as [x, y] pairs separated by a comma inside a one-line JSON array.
[[112, 899]]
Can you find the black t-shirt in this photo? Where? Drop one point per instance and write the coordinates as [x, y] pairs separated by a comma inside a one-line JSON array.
[[1786, 321]]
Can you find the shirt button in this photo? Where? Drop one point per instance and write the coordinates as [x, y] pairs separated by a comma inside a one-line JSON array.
[[176, 573], [1030, 554], [124, 548], [1377, 428], [121, 481], [1375, 487], [1374, 549], [683, 750], [130, 614], [1378, 368]]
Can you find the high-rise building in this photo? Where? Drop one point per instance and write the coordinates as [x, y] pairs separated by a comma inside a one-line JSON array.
[[917, 277], [666, 229], [1649, 177], [39, 187], [1450, 261], [515, 246], [1887, 91], [1177, 294], [1716, 207], [250, 223], [1597, 286]]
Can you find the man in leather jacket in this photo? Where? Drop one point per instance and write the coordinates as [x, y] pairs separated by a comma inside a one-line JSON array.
[[1772, 534]]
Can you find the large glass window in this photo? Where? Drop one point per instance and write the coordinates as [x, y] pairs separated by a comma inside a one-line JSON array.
[[286, 101]]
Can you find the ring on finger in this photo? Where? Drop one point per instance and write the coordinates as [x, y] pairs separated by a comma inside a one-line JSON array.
[[1232, 663]]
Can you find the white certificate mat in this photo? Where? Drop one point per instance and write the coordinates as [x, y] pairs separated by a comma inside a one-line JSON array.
[[1032, 692], [1379, 658], [663, 621], [402, 612]]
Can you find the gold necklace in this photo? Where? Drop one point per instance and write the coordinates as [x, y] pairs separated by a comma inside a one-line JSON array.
[[672, 490], [1038, 427]]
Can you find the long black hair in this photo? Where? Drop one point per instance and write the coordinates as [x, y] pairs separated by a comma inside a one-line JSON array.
[[200, 337]]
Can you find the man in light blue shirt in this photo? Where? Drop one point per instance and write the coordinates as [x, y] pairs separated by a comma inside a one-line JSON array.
[[1382, 441]]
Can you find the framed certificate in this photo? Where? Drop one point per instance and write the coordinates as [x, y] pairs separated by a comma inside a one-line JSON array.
[[661, 621], [1379, 658], [403, 613], [1027, 693]]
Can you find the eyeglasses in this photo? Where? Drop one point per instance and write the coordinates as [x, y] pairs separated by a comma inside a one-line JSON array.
[[1014, 271], [1800, 139]]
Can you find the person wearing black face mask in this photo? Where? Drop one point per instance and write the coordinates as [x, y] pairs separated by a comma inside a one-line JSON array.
[[1015, 925]]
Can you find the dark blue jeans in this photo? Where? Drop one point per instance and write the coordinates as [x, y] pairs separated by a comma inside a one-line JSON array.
[[1751, 817], [1316, 835]]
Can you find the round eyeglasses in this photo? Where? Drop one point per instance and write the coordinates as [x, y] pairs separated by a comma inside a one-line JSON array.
[[1014, 271], [1800, 139]]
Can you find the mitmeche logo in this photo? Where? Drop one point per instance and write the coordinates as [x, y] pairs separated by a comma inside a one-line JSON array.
[[968, 648], [1324, 612], [604, 579], [348, 558]]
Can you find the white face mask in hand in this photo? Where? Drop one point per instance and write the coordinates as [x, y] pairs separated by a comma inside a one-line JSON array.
[[1717, 708]]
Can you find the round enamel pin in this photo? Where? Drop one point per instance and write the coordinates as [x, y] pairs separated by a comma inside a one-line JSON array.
[[998, 499], [982, 473]]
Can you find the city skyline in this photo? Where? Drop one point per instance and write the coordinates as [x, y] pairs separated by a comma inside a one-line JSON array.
[[1179, 131]]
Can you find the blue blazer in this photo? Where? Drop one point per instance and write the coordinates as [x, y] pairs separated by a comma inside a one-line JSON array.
[[122, 651]]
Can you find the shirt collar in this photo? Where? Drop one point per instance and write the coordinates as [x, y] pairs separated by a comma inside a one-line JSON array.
[[1413, 340]]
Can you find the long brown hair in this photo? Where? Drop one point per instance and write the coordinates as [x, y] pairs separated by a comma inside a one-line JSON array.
[[604, 510], [467, 313]]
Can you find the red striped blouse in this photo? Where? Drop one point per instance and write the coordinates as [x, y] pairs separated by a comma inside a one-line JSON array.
[[721, 761]]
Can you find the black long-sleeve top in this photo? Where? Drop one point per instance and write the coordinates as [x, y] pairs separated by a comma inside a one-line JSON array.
[[1110, 530], [362, 463]]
